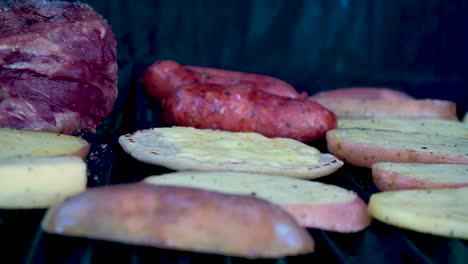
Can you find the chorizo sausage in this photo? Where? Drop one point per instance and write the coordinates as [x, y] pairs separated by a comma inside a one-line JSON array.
[[239, 108], [162, 78]]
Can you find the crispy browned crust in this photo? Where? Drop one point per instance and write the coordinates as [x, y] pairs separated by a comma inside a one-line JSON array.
[[181, 218]]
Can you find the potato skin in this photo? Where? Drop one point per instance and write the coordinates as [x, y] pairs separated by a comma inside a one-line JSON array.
[[163, 78], [384, 109], [364, 93], [386, 180], [239, 108], [180, 218], [347, 217], [363, 155]]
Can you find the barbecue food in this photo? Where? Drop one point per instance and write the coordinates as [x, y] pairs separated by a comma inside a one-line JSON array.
[[439, 212], [242, 109], [29, 183], [313, 204], [233, 101], [387, 109], [364, 93], [364, 147], [164, 78], [21, 143], [58, 67], [186, 148], [180, 218], [400, 176], [424, 126]]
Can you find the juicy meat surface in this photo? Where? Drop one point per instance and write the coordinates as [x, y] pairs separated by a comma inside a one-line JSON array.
[[58, 66]]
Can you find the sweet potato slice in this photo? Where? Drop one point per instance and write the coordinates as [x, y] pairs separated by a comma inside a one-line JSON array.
[[367, 93], [439, 212], [425, 126], [401, 176], [313, 204], [383, 109], [22, 143], [180, 218], [364, 147]]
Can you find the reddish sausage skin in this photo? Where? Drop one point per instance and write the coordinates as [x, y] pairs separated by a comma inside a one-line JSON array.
[[262, 82], [240, 108], [163, 78]]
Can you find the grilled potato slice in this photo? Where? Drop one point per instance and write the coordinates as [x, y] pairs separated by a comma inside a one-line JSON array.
[[180, 218], [22, 143], [313, 204], [364, 147], [187, 148], [440, 212], [424, 126], [400, 176], [29, 183]]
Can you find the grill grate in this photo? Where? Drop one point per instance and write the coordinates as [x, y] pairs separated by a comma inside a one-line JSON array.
[[22, 240]]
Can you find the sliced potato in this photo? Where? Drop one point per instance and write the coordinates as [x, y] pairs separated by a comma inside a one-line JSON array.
[[29, 183], [385, 109], [180, 218], [441, 127], [313, 204], [441, 212], [400, 176], [22, 143], [364, 147], [368, 93], [187, 148]]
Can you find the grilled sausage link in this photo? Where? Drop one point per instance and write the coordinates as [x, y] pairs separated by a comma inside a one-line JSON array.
[[163, 78], [240, 108]]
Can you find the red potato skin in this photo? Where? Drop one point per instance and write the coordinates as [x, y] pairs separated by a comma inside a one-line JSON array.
[[367, 93], [163, 78], [245, 109], [180, 218], [380, 108], [365, 156], [330, 217], [386, 180]]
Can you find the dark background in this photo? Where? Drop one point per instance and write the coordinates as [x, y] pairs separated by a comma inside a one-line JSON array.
[[420, 47]]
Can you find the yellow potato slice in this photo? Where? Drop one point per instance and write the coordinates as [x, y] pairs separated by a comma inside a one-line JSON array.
[[442, 212], [364, 147], [187, 148], [429, 126], [313, 204], [29, 183], [22, 143]]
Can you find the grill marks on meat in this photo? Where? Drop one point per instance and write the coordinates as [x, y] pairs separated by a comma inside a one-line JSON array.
[[58, 64]]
